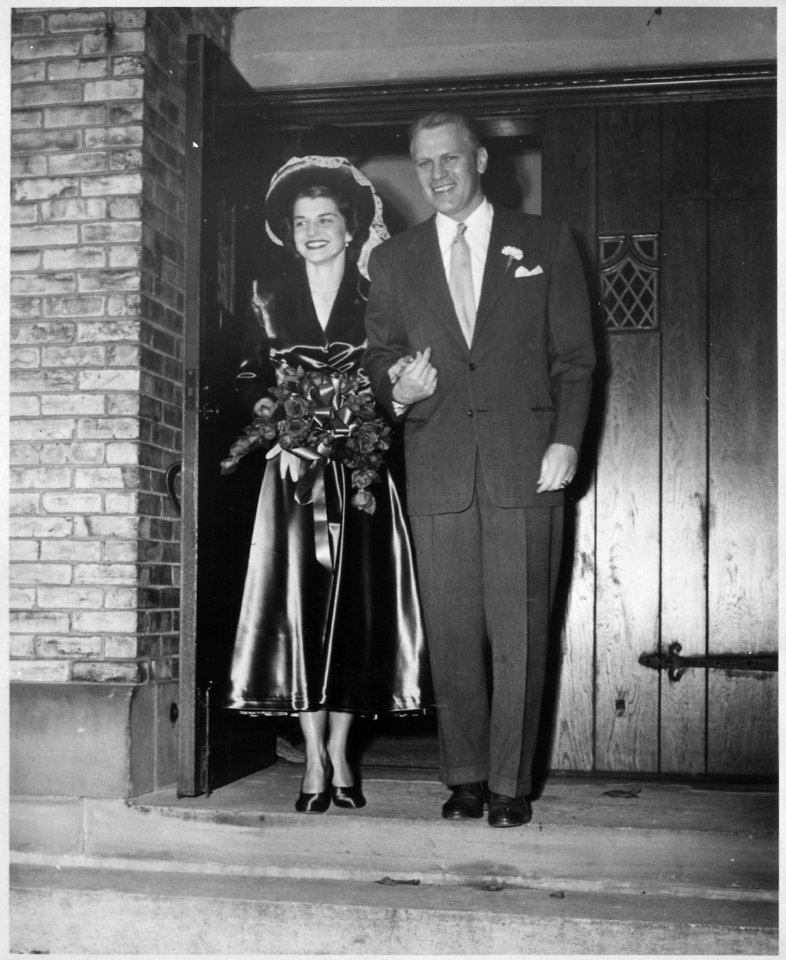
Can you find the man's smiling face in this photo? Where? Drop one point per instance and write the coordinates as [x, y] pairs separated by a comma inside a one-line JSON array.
[[449, 169]]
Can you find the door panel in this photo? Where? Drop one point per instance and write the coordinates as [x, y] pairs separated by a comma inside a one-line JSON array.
[[684, 158], [628, 510], [569, 178], [742, 148], [675, 542], [684, 478], [628, 198], [228, 164], [628, 530], [742, 597], [684, 283], [742, 588]]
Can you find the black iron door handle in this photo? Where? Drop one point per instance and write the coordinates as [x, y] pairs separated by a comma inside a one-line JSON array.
[[172, 472], [677, 665]]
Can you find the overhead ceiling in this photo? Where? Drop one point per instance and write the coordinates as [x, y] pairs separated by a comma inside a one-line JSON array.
[[283, 47]]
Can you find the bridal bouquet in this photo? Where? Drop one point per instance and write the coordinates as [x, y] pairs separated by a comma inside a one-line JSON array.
[[318, 415]]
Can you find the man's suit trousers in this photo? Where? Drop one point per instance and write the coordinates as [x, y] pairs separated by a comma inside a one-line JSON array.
[[487, 578]]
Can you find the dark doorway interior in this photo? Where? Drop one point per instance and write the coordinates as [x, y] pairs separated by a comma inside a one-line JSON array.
[[381, 151]]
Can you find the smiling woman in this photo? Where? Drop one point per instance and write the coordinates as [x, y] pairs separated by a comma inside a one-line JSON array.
[[330, 623], [319, 229], [321, 237]]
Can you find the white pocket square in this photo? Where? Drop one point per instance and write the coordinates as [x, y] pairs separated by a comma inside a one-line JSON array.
[[523, 272]]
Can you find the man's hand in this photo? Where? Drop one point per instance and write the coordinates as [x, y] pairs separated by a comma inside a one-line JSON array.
[[558, 467], [418, 381]]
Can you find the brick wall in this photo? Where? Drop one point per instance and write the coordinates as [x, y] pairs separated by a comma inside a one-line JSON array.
[[96, 338]]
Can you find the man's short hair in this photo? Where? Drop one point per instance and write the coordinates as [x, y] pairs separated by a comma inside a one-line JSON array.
[[438, 118]]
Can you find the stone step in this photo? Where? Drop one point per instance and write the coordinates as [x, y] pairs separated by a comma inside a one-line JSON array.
[[110, 911], [678, 863], [605, 866], [662, 840]]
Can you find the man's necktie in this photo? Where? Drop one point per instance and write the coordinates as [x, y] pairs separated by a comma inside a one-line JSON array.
[[460, 282]]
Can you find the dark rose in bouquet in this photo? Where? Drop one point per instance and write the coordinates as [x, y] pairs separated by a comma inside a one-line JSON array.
[[261, 432], [325, 414]]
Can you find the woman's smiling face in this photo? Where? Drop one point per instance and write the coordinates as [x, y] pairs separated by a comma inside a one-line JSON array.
[[319, 230]]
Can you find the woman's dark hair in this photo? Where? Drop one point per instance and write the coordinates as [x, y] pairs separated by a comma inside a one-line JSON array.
[[358, 230]]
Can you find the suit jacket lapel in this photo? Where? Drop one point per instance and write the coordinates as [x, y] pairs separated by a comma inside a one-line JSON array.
[[428, 273], [505, 231]]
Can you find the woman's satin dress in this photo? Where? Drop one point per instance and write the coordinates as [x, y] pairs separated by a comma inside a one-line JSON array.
[[310, 637]]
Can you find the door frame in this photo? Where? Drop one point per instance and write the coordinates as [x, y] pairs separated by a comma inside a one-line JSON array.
[[501, 105], [210, 79], [497, 101]]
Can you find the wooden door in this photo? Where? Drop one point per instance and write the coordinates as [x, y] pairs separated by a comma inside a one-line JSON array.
[[674, 506], [673, 206], [231, 154]]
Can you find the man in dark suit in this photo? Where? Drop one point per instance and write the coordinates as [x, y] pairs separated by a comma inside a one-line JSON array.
[[490, 308]]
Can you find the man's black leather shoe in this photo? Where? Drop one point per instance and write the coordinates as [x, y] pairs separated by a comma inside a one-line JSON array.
[[508, 811], [466, 802]]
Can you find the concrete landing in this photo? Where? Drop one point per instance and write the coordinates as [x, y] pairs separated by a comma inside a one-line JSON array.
[[604, 867]]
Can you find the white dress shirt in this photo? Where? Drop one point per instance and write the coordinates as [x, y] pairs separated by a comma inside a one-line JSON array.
[[477, 236]]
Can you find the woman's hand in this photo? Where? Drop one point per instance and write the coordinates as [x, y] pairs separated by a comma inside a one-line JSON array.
[[288, 463], [399, 367]]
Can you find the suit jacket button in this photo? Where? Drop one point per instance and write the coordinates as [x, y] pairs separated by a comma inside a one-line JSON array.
[[470, 413], [472, 366]]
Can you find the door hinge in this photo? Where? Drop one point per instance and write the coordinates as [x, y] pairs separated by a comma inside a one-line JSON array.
[[191, 396], [199, 397], [204, 755], [173, 471], [677, 665]]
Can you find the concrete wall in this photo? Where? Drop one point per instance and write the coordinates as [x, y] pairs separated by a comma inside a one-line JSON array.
[[91, 739], [288, 46]]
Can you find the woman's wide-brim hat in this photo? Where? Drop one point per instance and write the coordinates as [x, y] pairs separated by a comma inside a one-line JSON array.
[[299, 173]]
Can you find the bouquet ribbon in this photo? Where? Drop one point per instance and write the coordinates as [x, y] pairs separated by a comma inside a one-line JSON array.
[[324, 415], [311, 488], [311, 484]]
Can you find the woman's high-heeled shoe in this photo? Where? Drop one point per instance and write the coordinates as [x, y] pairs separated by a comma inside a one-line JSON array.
[[351, 798], [316, 802], [313, 802]]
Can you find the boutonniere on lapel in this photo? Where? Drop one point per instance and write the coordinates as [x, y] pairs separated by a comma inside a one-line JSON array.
[[513, 253]]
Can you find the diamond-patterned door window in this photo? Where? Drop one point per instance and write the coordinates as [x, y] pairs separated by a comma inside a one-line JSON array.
[[629, 271]]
